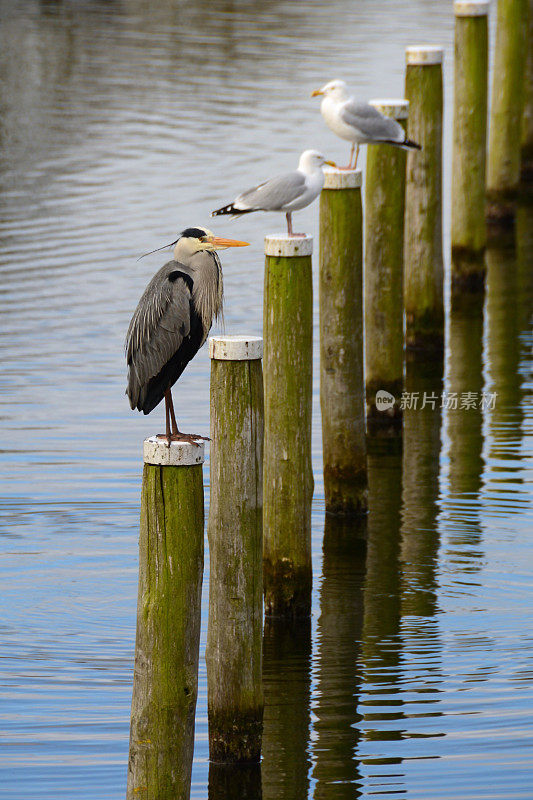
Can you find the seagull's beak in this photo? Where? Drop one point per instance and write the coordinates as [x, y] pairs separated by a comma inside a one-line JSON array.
[[220, 244], [331, 163], [317, 92]]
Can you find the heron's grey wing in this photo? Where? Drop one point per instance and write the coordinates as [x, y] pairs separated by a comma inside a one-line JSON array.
[[371, 123], [274, 194], [158, 327]]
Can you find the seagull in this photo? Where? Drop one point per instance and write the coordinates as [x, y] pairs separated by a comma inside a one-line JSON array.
[[359, 123], [172, 320], [288, 192]]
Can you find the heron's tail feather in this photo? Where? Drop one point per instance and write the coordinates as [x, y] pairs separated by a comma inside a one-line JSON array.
[[230, 209]]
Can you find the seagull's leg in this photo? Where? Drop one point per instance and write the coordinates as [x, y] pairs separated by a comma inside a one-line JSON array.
[[350, 160], [356, 156], [288, 215], [289, 226], [177, 435]]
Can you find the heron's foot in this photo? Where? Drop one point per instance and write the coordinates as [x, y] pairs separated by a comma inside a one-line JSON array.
[[191, 438]]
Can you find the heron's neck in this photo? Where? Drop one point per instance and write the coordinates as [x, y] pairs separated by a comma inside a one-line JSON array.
[[208, 287]]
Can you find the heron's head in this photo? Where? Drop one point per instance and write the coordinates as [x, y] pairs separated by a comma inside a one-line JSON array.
[[336, 89], [194, 240], [311, 160]]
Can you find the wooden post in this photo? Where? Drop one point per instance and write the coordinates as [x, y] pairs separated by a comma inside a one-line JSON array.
[[527, 115], [424, 266], [171, 560], [288, 476], [341, 343], [235, 532], [384, 236], [503, 174], [469, 234]]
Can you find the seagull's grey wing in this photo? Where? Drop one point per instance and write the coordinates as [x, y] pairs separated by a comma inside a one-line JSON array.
[[273, 195], [371, 123], [158, 327]]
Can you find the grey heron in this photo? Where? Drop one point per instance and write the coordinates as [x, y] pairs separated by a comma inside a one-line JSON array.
[[359, 123], [288, 192], [172, 320]]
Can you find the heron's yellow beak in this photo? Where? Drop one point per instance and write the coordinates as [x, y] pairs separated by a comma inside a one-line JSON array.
[[316, 93], [219, 243], [331, 163]]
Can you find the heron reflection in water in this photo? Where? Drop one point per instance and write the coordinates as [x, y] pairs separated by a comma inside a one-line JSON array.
[[172, 321]]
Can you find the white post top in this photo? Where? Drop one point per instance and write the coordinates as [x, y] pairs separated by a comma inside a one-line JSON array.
[[422, 55], [397, 109], [471, 8], [179, 454], [342, 178], [281, 244], [235, 348]]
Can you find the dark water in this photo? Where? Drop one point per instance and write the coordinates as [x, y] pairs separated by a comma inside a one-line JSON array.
[[122, 122]]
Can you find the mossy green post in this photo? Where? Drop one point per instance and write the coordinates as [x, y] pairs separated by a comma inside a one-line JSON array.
[[424, 265], [469, 234], [384, 235], [507, 101], [342, 398], [235, 531], [527, 114], [288, 476], [165, 683]]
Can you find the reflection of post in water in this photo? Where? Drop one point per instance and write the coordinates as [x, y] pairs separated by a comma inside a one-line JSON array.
[[509, 296], [287, 715], [464, 423], [234, 781], [381, 651], [464, 413], [339, 635], [421, 452], [381, 645]]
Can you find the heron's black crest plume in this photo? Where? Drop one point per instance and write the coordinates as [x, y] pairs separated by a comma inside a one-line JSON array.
[[159, 248]]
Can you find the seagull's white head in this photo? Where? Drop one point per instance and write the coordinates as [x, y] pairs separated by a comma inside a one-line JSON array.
[[335, 89], [311, 160]]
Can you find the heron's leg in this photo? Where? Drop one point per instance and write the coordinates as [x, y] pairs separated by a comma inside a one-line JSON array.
[[167, 418], [168, 399], [177, 435]]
